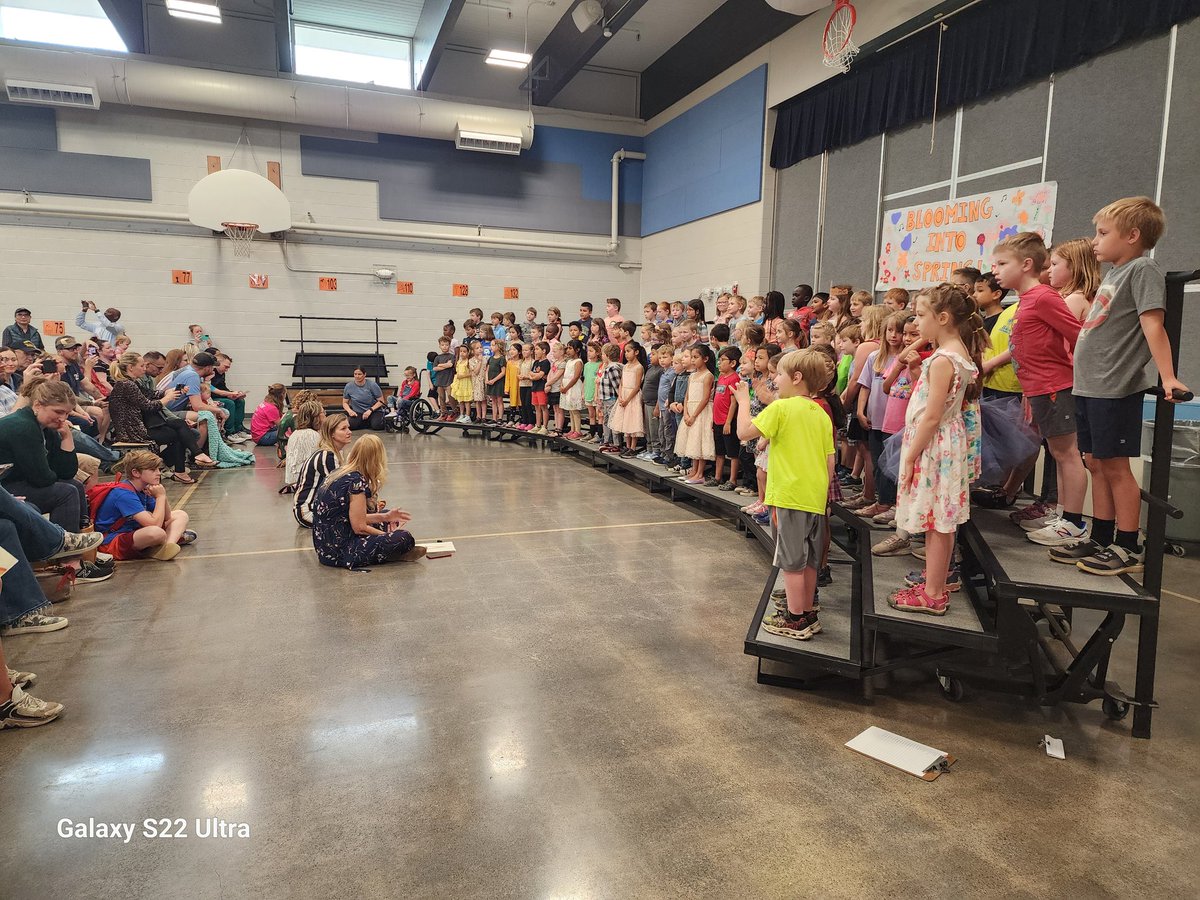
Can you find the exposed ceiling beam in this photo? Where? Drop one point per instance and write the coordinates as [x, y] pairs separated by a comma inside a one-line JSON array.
[[283, 35], [735, 30], [438, 18], [565, 51], [126, 16]]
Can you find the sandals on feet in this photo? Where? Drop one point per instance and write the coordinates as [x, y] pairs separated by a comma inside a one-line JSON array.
[[188, 537], [183, 478]]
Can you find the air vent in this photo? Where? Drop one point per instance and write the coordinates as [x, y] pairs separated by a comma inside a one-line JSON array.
[[52, 94], [487, 143]]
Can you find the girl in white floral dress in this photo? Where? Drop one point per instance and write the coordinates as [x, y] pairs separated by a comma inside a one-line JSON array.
[[939, 458]]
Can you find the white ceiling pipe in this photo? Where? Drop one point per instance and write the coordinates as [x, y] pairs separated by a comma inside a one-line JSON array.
[[401, 234], [614, 240], [135, 81]]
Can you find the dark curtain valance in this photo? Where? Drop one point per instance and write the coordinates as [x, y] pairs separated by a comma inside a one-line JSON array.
[[987, 49]]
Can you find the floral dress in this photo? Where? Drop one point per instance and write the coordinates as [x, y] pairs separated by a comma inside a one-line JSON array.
[[333, 537], [938, 499], [478, 368]]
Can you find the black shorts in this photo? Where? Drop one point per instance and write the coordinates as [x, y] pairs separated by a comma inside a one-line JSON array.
[[552, 399], [1108, 428], [854, 430], [1054, 414], [726, 445]]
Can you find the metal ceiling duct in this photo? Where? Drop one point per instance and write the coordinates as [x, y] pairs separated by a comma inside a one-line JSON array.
[[134, 81]]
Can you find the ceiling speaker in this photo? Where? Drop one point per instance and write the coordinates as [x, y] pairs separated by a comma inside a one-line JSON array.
[[587, 14]]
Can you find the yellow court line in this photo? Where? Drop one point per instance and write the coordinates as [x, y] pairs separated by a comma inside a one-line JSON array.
[[191, 489], [1181, 596], [459, 537], [446, 462]]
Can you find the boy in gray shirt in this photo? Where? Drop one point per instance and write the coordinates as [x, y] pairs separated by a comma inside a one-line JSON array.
[[1122, 335]]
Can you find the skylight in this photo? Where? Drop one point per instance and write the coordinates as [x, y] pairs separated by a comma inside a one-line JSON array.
[[68, 23], [353, 56]]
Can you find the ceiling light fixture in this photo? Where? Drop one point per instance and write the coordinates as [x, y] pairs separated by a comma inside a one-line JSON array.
[[196, 11], [509, 58]]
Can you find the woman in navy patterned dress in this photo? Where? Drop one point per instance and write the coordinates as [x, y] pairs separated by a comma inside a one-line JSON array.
[[350, 527]]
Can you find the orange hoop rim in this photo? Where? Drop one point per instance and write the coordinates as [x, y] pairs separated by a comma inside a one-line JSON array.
[[834, 52], [240, 225]]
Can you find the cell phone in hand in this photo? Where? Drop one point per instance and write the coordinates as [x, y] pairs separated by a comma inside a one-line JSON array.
[[91, 350], [182, 388], [49, 366]]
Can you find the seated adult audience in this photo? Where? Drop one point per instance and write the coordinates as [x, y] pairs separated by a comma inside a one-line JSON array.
[[233, 401], [189, 381], [335, 437], [26, 535], [350, 528], [138, 417], [92, 417], [363, 402], [135, 516], [40, 444], [20, 331], [10, 381]]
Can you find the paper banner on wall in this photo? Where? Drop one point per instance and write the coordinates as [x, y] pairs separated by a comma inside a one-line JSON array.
[[259, 282], [460, 290], [404, 287], [181, 276], [327, 283], [922, 245], [512, 293], [53, 328]]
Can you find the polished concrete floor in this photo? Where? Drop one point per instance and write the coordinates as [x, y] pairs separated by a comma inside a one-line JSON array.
[[562, 709]]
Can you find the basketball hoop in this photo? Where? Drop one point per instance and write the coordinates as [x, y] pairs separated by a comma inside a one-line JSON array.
[[837, 44], [241, 234]]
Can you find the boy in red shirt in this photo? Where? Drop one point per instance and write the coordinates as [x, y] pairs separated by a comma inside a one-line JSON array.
[[725, 437], [1043, 339]]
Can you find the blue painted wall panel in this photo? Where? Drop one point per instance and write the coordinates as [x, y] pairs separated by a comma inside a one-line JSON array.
[[561, 184], [31, 161], [707, 160]]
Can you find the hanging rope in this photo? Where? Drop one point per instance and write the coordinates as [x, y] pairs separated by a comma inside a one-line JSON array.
[[249, 147], [937, 81]]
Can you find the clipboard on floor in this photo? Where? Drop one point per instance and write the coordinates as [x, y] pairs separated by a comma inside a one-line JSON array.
[[902, 753]]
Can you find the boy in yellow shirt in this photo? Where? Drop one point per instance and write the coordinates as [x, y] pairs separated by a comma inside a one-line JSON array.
[[798, 475]]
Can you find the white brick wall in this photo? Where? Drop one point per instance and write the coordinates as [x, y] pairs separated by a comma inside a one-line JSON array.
[[50, 269]]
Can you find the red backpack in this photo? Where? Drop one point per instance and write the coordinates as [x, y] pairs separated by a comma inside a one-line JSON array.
[[97, 494]]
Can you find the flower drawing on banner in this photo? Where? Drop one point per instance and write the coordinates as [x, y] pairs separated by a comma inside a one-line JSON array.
[[1023, 217], [1019, 198], [902, 259]]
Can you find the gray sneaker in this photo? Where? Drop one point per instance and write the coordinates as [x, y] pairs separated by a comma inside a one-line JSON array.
[[23, 711], [33, 623], [77, 544]]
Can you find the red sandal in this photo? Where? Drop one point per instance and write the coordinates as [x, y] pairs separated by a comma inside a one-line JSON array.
[[915, 600]]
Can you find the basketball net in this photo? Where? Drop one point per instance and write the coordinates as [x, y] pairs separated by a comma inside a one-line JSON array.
[[839, 48], [241, 235]]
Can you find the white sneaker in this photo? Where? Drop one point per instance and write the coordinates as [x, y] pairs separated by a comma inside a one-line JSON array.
[[1040, 522], [1058, 533], [23, 711]]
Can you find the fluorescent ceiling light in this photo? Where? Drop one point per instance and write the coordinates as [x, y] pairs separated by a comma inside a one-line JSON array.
[[509, 58], [198, 12]]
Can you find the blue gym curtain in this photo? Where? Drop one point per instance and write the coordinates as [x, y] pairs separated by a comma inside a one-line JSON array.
[[987, 49]]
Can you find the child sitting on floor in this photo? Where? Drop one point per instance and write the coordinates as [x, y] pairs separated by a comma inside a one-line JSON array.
[[134, 515]]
